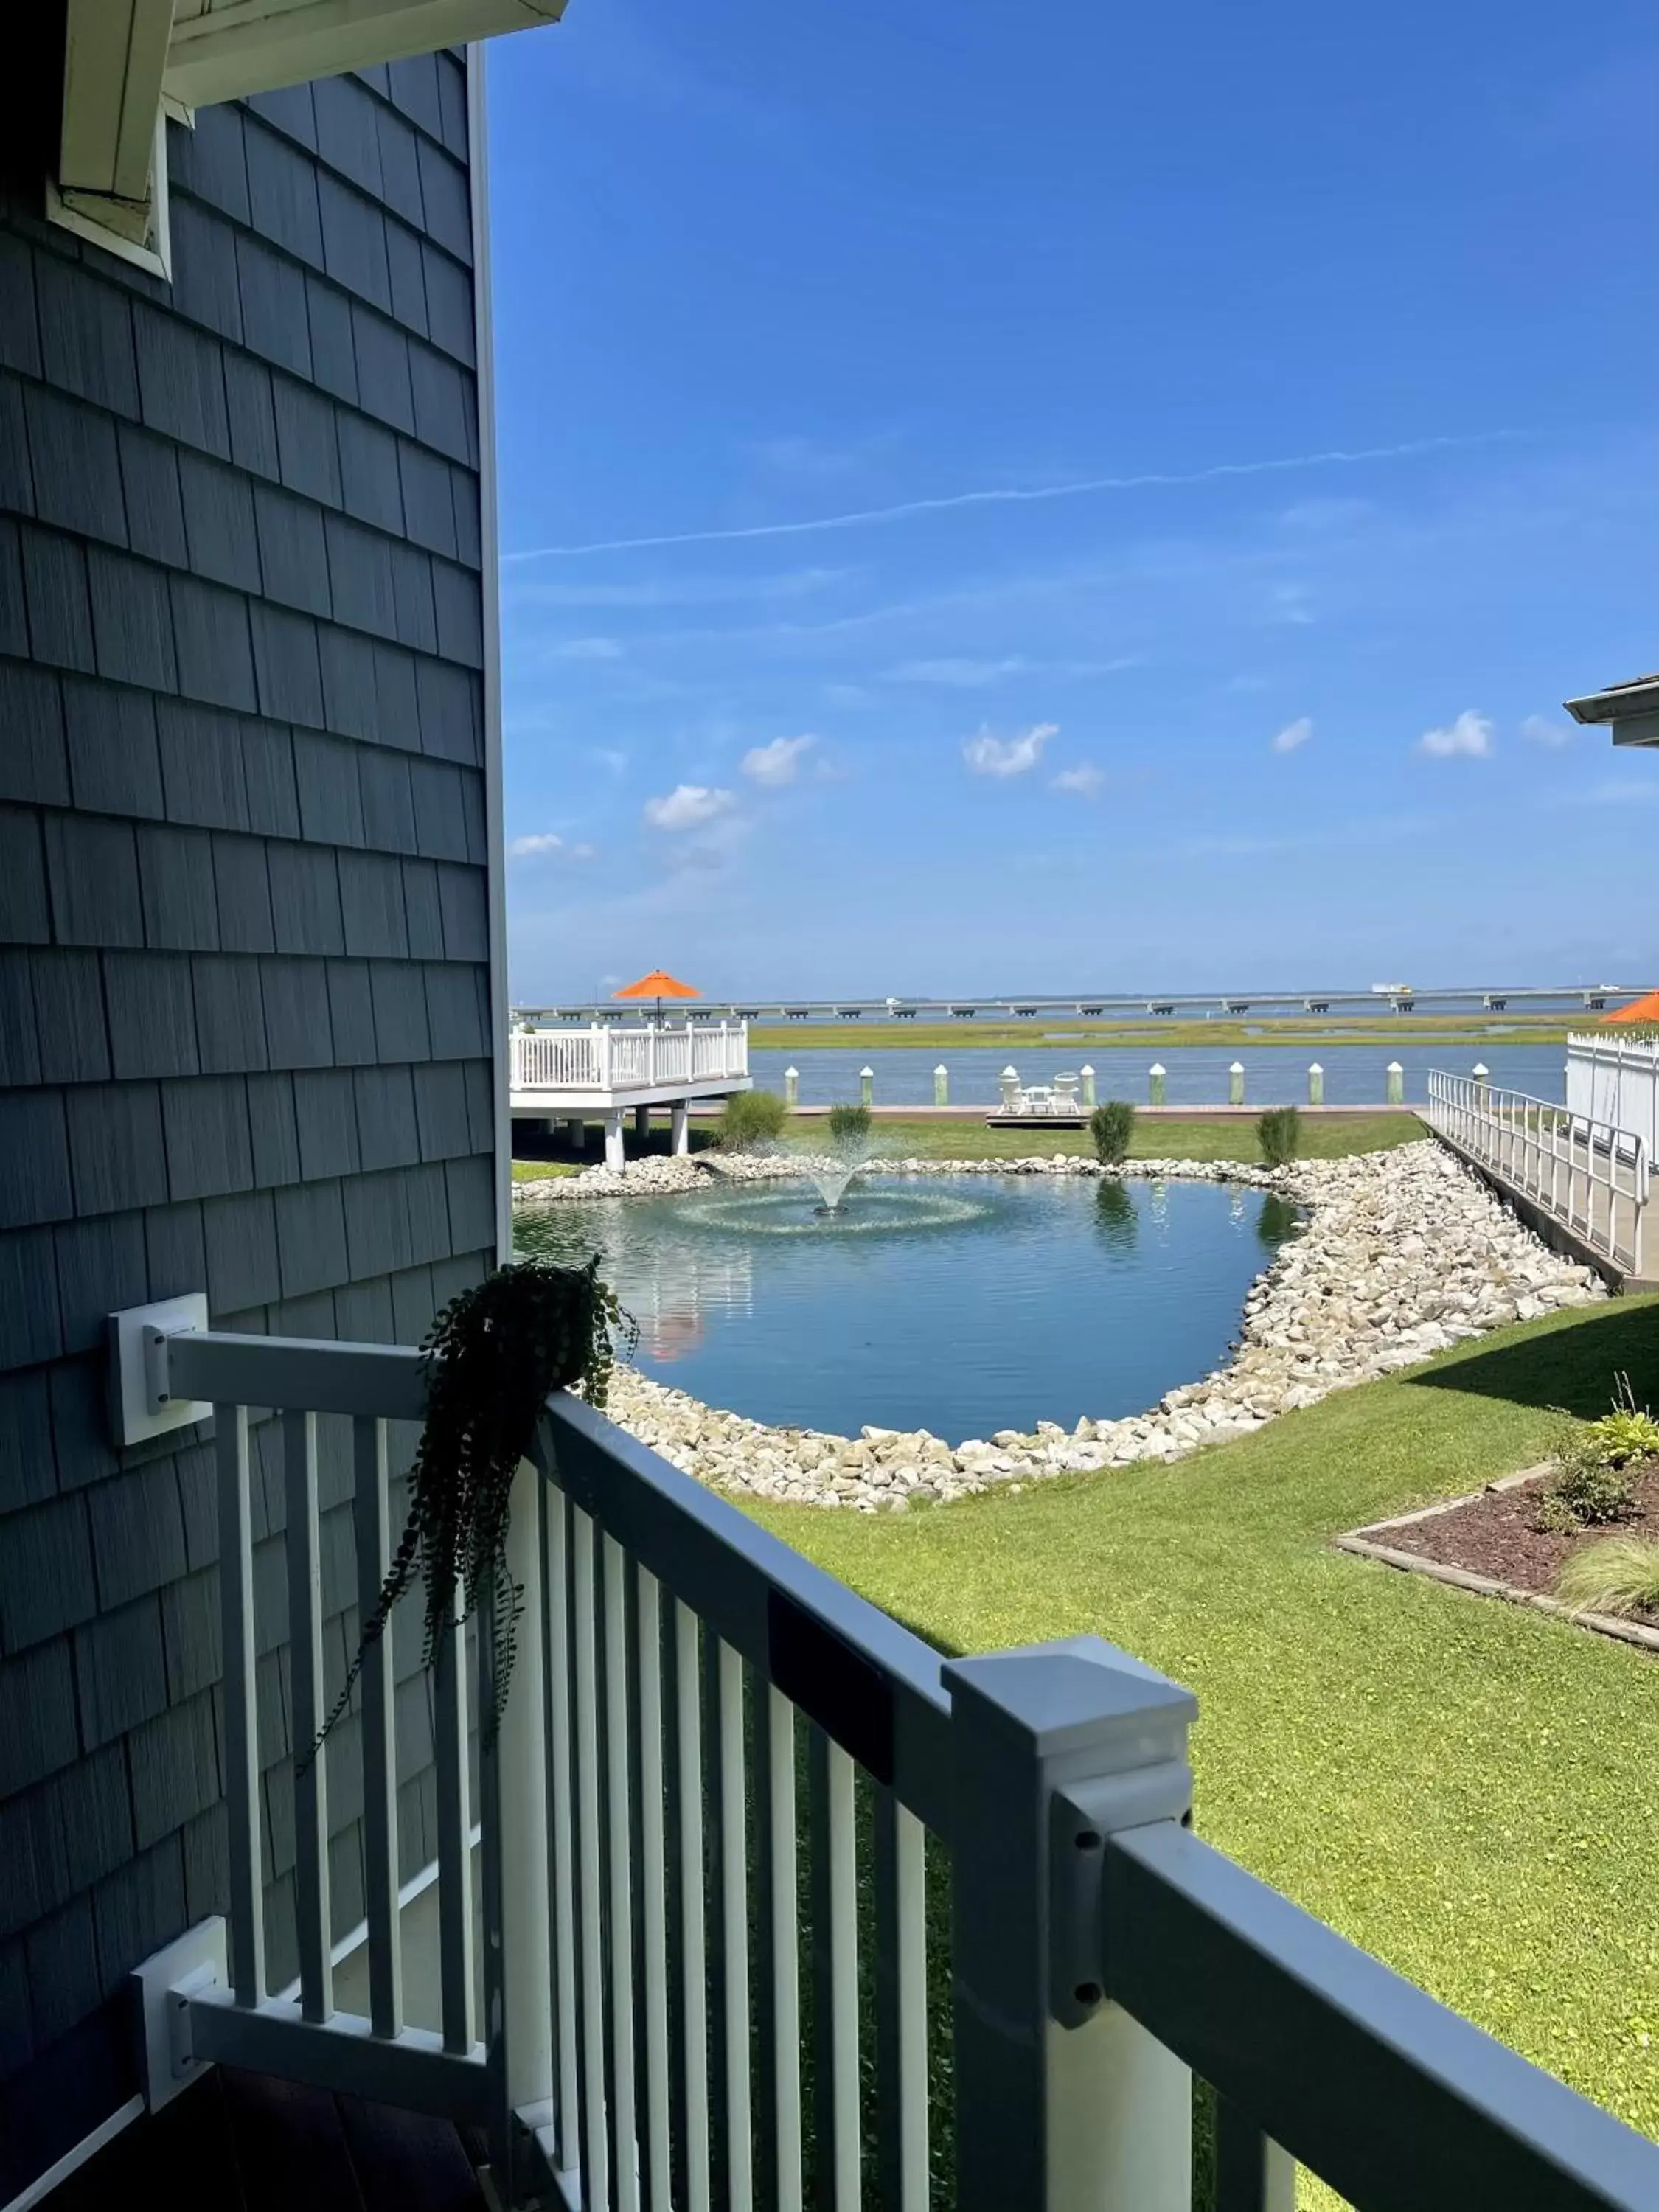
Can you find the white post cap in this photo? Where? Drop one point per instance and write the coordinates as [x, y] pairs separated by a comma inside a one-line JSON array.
[[791, 1071], [1238, 1068], [1010, 1071], [1314, 1068], [1481, 1068], [941, 1069], [1157, 1068], [867, 1071], [1087, 1070], [1394, 1068]]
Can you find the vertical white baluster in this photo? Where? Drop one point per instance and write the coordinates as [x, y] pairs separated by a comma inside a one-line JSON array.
[[784, 1906], [844, 1977], [694, 1985], [621, 1870], [596, 2164], [734, 1864], [654, 1874], [247, 1920], [370, 1508], [562, 1867], [305, 1633], [454, 1838]]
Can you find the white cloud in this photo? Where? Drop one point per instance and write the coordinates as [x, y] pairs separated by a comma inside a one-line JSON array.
[[588, 648], [1294, 734], [688, 806], [539, 842], [1470, 737], [778, 762], [988, 755], [1542, 730], [1085, 779]]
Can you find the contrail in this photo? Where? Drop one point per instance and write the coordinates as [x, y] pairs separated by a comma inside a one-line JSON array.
[[1013, 496]]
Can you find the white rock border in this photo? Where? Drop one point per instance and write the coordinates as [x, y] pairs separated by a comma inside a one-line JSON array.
[[1402, 1254]]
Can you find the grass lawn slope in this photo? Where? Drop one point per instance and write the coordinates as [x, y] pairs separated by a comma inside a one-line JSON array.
[[1469, 1790]]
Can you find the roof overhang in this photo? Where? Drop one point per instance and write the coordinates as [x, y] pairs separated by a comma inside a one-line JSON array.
[[1630, 711], [127, 61]]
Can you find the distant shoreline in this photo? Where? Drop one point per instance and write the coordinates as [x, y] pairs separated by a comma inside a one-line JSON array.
[[1232, 1033]]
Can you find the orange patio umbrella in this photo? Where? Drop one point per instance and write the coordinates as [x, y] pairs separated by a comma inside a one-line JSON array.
[[1644, 1010], [657, 985]]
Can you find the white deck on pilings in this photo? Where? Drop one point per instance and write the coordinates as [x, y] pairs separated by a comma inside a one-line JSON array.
[[570, 1074]]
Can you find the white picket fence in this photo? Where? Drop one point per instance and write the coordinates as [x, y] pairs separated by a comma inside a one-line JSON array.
[[606, 1058], [1616, 1079]]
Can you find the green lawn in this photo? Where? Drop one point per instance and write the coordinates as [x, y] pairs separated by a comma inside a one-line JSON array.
[[1175, 1138], [1314, 1033], [1469, 1790]]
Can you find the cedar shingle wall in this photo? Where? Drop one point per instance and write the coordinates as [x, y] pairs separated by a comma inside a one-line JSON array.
[[243, 1009]]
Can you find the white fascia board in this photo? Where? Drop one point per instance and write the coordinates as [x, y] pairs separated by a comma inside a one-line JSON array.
[[256, 45], [114, 53]]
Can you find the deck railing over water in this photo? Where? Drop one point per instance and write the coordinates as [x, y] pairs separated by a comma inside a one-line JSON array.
[[778, 1907], [611, 1058], [1590, 1175]]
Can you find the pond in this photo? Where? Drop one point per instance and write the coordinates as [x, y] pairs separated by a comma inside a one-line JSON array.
[[961, 1306]]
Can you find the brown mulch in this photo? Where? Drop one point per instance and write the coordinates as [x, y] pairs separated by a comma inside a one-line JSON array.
[[1495, 1534]]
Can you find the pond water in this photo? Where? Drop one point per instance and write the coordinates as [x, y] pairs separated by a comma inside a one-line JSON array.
[[1274, 1075], [961, 1306]]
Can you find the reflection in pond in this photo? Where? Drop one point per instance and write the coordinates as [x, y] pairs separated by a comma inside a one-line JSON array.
[[1115, 1211], [963, 1305], [1279, 1217]]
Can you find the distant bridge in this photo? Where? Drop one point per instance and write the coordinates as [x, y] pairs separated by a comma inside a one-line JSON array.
[[1396, 998]]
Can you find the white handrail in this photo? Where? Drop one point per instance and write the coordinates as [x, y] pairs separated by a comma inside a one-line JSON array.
[[1591, 1176], [609, 1058]]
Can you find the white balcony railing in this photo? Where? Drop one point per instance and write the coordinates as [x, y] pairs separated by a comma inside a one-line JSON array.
[[1615, 1078], [1590, 1175], [609, 1059], [723, 1791]]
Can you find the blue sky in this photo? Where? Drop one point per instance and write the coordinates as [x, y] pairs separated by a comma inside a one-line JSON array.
[[1004, 499]]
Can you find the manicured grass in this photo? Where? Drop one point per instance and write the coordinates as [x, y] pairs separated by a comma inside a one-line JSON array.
[[1174, 1138], [539, 1170], [1468, 1790], [1317, 1034]]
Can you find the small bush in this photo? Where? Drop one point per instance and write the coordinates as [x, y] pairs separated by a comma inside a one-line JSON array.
[[1278, 1135], [1112, 1126], [1618, 1575], [1629, 1433], [1592, 1494], [752, 1118], [850, 1126], [1591, 1485]]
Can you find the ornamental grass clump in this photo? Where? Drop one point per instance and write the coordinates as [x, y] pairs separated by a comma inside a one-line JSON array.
[[492, 1357], [850, 1128], [751, 1119], [1278, 1135], [1618, 1575], [1112, 1126]]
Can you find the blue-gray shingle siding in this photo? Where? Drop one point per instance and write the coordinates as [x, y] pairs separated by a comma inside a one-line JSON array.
[[244, 1035]]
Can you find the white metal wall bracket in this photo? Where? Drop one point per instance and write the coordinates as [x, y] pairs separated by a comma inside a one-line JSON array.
[[165, 1985], [141, 1403]]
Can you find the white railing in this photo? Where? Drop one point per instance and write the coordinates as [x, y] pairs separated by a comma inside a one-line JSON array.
[[1588, 1176], [611, 1058], [674, 2017], [1615, 1078]]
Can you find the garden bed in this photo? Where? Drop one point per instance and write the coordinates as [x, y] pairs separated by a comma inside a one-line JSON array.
[[1491, 1543]]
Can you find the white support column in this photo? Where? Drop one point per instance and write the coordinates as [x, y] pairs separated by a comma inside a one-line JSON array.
[[615, 1156], [679, 1129], [1064, 2102]]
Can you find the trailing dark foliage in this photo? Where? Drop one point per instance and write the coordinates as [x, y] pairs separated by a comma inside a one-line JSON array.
[[492, 1357], [1112, 1126]]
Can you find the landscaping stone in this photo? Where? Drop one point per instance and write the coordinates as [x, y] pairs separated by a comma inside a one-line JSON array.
[[1401, 1254]]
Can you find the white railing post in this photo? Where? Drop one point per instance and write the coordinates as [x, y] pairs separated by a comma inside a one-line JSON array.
[[518, 2024], [1064, 2102], [602, 1058]]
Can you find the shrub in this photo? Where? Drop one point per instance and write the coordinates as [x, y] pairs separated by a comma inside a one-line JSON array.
[[850, 1126], [752, 1118], [1618, 1575], [1278, 1133], [1112, 1126], [1590, 1494], [1591, 1485], [1628, 1432]]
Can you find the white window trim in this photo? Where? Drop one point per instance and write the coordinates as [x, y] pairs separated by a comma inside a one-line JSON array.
[[156, 255]]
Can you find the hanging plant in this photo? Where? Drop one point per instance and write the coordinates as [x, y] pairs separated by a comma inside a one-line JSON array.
[[492, 1357]]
